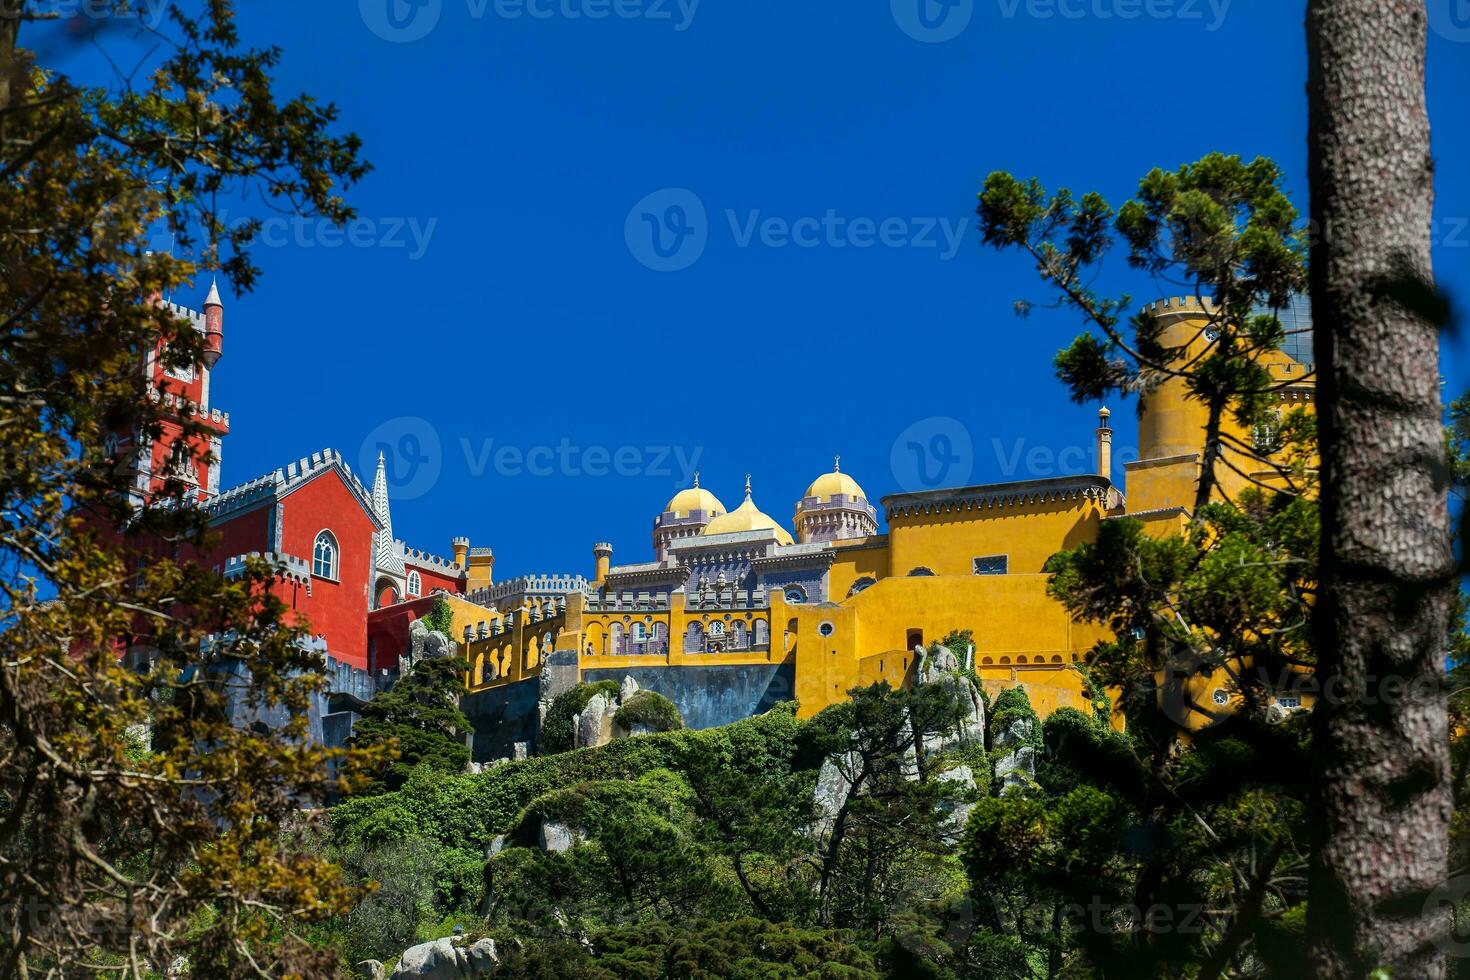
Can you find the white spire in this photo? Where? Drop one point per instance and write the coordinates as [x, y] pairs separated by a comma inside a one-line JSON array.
[[213, 298], [384, 557]]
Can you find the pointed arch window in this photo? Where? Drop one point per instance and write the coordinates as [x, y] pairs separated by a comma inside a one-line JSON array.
[[324, 556], [415, 584]]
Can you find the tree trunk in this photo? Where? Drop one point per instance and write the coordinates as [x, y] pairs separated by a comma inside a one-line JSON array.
[[1381, 792]]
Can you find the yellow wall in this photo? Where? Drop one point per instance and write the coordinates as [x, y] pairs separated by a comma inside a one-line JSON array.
[[1029, 534]]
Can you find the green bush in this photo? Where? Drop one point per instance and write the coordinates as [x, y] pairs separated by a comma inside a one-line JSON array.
[[556, 728], [649, 708]]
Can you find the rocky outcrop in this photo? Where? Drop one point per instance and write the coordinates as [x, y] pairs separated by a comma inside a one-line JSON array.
[[1016, 769], [558, 838], [424, 644], [451, 958], [594, 725], [942, 667], [957, 808]]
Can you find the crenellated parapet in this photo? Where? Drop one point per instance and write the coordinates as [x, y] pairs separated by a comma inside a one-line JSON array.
[[196, 319], [282, 480], [514, 592], [425, 559], [287, 567]]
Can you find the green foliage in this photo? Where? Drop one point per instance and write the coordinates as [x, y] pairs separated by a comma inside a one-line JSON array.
[[741, 949], [556, 727], [420, 718], [649, 708], [440, 618]]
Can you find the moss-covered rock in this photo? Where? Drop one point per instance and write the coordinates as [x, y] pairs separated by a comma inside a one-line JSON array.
[[648, 711]]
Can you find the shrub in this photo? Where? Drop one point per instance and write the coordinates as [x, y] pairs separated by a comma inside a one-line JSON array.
[[649, 708]]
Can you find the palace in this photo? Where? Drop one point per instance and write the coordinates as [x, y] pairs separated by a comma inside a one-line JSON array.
[[732, 612]]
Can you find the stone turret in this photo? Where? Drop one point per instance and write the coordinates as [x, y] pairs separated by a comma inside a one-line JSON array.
[[602, 553]]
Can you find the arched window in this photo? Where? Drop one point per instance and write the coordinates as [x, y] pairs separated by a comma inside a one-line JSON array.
[[795, 595], [640, 632], [324, 556], [762, 633], [921, 570], [738, 635], [861, 584], [694, 638], [717, 628], [415, 584]]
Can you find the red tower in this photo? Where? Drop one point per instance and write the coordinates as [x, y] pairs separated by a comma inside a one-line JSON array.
[[182, 394]]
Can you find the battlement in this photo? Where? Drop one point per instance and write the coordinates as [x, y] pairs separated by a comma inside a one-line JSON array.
[[527, 586], [195, 318], [283, 480], [481, 553], [288, 567], [460, 539], [426, 559]]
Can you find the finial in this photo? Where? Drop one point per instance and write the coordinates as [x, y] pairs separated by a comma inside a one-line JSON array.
[[836, 464], [747, 486], [380, 456], [696, 479]]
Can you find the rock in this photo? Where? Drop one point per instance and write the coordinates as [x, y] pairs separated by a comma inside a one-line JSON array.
[[557, 838], [834, 783], [594, 725], [373, 969], [1015, 733], [939, 662], [521, 751], [630, 688], [447, 959], [496, 846], [958, 811], [1016, 769]]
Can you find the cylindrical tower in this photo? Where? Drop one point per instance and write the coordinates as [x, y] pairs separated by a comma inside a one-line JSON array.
[[461, 547], [834, 508], [1104, 443], [214, 326], [602, 555]]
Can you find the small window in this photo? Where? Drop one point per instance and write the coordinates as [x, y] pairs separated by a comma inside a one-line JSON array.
[[991, 565], [324, 556], [826, 629], [415, 584], [717, 628], [920, 571], [1289, 701], [795, 595], [860, 585], [1220, 696]]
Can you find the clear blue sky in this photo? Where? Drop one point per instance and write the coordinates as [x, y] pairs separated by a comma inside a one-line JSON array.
[[509, 306]]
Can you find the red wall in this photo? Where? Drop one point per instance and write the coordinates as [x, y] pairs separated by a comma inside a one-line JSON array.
[[436, 578], [388, 628], [337, 610]]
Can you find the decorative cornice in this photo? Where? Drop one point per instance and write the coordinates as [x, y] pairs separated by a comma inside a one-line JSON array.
[[997, 495]]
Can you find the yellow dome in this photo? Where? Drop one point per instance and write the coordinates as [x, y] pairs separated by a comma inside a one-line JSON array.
[[747, 517], [828, 484], [694, 498]]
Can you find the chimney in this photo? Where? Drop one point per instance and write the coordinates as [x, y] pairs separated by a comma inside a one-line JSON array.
[[1104, 444]]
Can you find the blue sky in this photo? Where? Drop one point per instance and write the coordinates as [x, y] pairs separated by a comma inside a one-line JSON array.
[[498, 302]]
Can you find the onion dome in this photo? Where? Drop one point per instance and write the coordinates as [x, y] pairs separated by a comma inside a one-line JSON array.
[[747, 517], [835, 508], [695, 498]]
